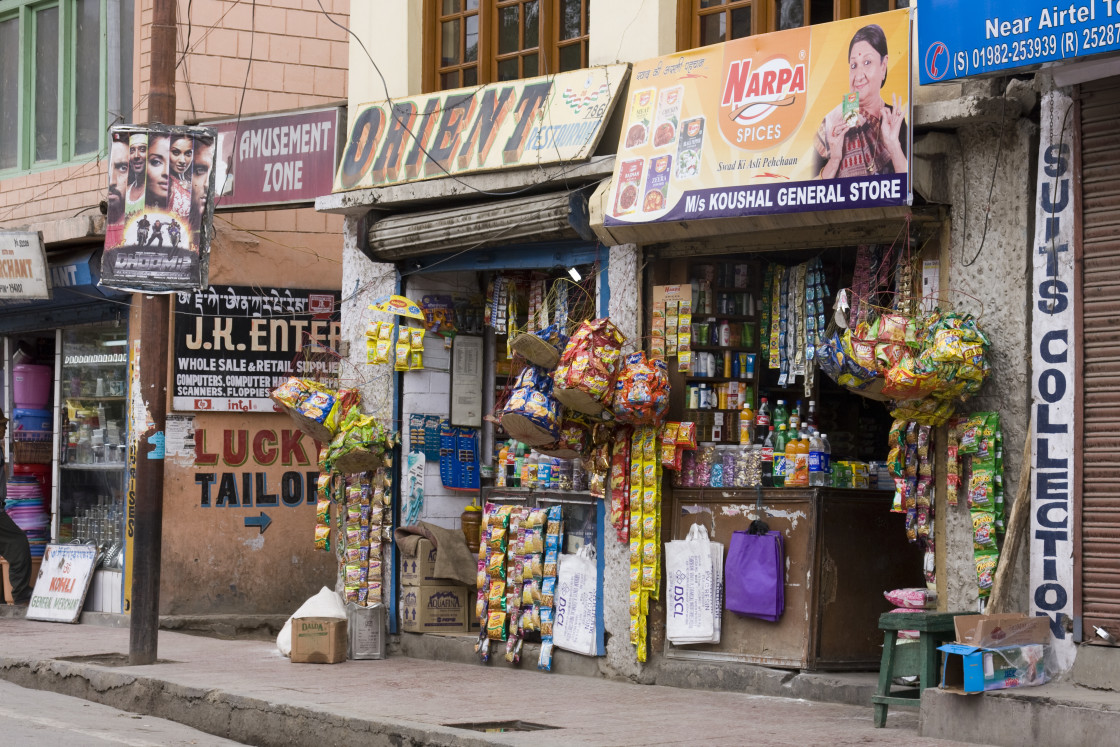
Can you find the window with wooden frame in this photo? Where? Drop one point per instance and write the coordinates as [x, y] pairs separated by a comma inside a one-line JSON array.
[[704, 22], [60, 88], [471, 42]]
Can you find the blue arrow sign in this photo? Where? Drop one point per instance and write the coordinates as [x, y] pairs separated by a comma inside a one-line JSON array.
[[261, 521]]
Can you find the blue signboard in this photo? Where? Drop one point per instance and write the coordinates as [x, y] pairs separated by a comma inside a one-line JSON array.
[[967, 38]]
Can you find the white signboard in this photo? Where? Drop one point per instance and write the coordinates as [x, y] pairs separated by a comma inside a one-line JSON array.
[[1054, 383], [23, 266], [466, 381], [64, 576]]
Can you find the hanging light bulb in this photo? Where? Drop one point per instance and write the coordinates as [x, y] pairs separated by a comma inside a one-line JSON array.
[[575, 274]]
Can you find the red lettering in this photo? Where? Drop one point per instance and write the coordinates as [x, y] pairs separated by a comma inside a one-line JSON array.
[[737, 76], [388, 163], [202, 458], [491, 113], [532, 98], [769, 78], [752, 87], [421, 134], [235, 454], [264, 447], [291, 450], [797, 85], [785, 75], [457, 111]]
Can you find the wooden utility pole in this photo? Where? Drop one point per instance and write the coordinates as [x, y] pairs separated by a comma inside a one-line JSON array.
[[152, 362]]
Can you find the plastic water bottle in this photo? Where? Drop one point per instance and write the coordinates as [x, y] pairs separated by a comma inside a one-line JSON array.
[[817, 475], [826, 459]]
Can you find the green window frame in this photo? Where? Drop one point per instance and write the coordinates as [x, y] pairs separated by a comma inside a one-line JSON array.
[[55, 109]]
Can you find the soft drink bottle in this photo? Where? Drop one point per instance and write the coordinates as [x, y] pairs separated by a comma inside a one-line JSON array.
[[795, 419], [781, 414], [781, 441], [826, 459], [762, 417], [800, 470], [811, 420], [766, 465]]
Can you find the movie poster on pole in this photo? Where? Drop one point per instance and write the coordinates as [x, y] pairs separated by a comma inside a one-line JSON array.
[[159, 217]]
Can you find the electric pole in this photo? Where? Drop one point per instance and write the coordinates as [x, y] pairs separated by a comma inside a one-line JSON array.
[[152, 362]]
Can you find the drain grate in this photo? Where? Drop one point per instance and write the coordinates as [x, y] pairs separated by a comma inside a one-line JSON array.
[[106, 660], [497, 727]]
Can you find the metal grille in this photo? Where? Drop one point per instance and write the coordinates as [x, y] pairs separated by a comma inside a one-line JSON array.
[[1100, 237]]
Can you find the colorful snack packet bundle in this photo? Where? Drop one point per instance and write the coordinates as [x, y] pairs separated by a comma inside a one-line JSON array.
[[354, 573], [546, 621], [322, 537], [985, 571], [981, 492], [496, 625], [355, 555], [550, 562], [548, 591], [351, 593], [983, 530]]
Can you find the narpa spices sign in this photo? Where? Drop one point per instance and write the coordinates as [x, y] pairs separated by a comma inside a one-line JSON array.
[[234, 344], [807, 119]]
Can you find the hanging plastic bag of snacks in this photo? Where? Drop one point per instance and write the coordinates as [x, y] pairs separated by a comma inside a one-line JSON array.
[[585, 378], [642, 392], [532, 414]]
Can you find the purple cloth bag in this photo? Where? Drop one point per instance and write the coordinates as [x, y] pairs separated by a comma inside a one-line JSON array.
[[755, 575]]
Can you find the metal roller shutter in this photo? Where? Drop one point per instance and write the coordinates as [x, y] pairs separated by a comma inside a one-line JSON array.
[[1100, 240]]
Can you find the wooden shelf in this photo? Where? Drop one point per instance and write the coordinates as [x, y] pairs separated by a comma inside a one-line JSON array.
[[716, 379], [728, 348]]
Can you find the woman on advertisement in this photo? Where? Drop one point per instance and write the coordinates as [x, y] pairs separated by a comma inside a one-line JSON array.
[[871, 138]]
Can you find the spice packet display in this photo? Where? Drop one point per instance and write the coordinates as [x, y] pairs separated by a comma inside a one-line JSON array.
[[620, 483], [645, 528]]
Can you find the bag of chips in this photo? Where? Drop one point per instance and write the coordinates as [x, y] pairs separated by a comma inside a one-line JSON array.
[[588, 368], [641, 394]]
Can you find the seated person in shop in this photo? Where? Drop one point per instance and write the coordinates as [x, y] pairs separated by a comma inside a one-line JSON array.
[[13, 542]]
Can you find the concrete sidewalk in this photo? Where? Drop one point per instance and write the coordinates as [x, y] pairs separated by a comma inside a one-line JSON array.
[[246, 691]]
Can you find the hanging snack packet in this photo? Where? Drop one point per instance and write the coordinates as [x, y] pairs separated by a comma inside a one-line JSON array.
[[322, 537], [981, 491], [983, 530], [986, 563], [402, 354]]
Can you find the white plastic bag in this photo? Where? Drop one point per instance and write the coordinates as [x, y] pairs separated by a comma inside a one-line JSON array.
[[694, 576], [324, 604], [573, 628]]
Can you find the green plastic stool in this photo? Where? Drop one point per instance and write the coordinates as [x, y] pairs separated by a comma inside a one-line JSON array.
[[909, 659]]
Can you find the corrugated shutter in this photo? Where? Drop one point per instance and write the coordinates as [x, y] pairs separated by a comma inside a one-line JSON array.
[[1100, 237]]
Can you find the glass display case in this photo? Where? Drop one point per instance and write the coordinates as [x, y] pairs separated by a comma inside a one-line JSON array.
[[93, 439]]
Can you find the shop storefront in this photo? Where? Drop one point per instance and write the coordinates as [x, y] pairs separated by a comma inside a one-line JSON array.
[[66, 384]]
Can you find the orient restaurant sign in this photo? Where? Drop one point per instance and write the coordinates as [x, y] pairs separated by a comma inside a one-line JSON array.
[[531, 122]]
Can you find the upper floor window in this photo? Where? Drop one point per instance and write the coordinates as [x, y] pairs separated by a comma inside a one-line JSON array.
[[56, 80], [471, 42], [704, 22]]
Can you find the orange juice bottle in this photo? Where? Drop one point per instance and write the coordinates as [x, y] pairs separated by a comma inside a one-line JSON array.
[[792, 447], [800, 462]]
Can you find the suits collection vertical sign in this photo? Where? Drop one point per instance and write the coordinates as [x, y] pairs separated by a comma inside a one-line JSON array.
[[1054, 384]]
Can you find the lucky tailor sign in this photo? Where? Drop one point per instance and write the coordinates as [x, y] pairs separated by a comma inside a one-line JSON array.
[[519, 123], [160, 208], [814, 118]]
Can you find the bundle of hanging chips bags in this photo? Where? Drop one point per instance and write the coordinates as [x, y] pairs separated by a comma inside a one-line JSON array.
[[532, 415], [588, 368], [641, 394], [315, 409], [360, 444]]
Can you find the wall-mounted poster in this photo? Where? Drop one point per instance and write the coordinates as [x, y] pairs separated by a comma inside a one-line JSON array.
[[813, 118], [159, 218]]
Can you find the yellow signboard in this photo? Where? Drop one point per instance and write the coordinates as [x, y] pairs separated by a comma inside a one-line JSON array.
[[813, 118], [546, 120]]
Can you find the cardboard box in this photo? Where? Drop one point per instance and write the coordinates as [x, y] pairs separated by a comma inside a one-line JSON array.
[[318, 640], [969, 669], [998, 631], [434, 609], [418, 571]]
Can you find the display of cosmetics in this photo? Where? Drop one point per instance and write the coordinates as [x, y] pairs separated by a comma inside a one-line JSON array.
[[723, 333], [26, 507], [712, 466]]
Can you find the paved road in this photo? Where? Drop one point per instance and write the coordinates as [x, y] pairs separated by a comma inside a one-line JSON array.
[[35, 717]]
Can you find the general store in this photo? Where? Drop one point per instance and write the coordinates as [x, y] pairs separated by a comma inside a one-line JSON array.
[[702, 252]]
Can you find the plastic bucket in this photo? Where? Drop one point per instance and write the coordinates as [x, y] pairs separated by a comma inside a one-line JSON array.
[[32, 425], [41, 472], [31, 385]]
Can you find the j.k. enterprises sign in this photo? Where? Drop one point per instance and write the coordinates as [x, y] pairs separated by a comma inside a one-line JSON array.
[[965, 38]]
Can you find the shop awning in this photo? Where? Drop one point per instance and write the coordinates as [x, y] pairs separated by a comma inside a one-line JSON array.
[[76, 296], [555, 216]]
